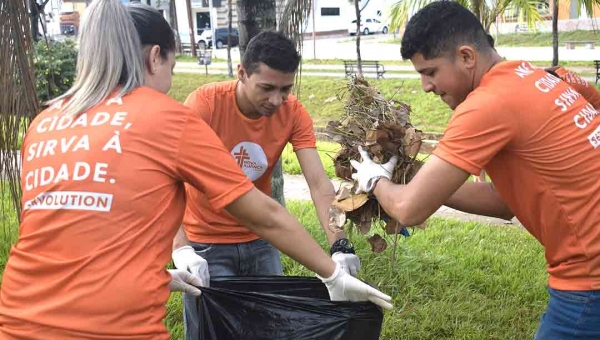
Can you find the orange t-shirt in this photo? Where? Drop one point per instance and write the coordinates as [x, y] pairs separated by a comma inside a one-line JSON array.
[[103, 197], [255, 144], [538, 140], [580, 85]]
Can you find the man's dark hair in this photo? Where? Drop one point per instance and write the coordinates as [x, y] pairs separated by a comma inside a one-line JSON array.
[[274, 50], [439, 28]]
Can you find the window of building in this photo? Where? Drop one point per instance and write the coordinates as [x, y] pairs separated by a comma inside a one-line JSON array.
[[330, 11]]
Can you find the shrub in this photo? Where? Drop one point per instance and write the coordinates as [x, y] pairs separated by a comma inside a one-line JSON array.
[[55, 64]]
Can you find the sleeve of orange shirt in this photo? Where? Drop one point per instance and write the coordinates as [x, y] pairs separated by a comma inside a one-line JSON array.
[[587, 90], [479, 128], [198, 103], [204, 163], [303, 133]]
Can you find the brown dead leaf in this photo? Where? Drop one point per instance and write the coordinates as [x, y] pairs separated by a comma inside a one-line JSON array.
[[412, 169], [364, 227], [402, 112], [378, 244], [372, 137], [344, 191], [337, 219], [352, 203], [344, 172], [393, 227], [412, 142], [376, 151]]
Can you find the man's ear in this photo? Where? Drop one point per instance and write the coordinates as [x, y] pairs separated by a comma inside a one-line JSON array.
[[241, 73], [467, 56]]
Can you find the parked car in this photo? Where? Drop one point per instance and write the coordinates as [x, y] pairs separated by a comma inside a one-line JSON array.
[[205, 40], [368, 26], [69, 22]]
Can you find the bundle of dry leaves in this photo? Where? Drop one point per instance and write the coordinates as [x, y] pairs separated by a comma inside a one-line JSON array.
[[383, 128]]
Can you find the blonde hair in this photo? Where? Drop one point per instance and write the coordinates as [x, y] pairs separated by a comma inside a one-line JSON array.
[[110, 56]]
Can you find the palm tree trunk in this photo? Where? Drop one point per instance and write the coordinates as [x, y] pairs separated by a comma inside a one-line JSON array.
[[358, 57], [253, 17], [554, 33], [229, 29]]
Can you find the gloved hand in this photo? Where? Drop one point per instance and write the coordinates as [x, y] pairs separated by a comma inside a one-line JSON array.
[[368, 171], [185, 258], [344, 287], [349, 263], [184, 281]]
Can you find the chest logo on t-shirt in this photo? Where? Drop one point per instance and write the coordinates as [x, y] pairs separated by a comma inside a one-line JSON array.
[[251, 158]]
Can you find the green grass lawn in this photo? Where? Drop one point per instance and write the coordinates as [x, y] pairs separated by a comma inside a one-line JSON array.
[[429, 112], [535, 39], [9, 225], [451, 281], [545, 38], [327, 152]]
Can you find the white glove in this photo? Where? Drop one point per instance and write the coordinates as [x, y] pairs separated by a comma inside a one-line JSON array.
[[349, 263], [344, 287], [185, 258], [184, 281], [368, 171]]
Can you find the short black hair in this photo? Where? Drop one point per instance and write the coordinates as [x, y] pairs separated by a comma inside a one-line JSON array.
[[273, 49], [439, 28]]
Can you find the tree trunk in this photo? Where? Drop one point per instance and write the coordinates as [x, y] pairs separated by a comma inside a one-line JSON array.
[[34, 14], [255, 16], [18, 104], [191, 27], [554, 33], [358, 33], [229, 29], [174, 24]]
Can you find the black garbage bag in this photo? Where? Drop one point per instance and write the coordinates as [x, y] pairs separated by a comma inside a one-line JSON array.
[[282, 307]]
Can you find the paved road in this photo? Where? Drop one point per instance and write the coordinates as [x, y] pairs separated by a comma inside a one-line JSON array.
[[375, 48]]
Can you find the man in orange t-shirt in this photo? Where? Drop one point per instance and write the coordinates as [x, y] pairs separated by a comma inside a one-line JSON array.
[[536, 137], [255, 117]]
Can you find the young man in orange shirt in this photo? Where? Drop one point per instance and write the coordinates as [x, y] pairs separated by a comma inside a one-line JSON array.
[[255, 117], [536, 138]]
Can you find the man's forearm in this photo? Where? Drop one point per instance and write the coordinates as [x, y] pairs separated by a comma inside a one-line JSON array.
[[396, 202], [180, 239], [480, 199], [321, 189], [322, 199]]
